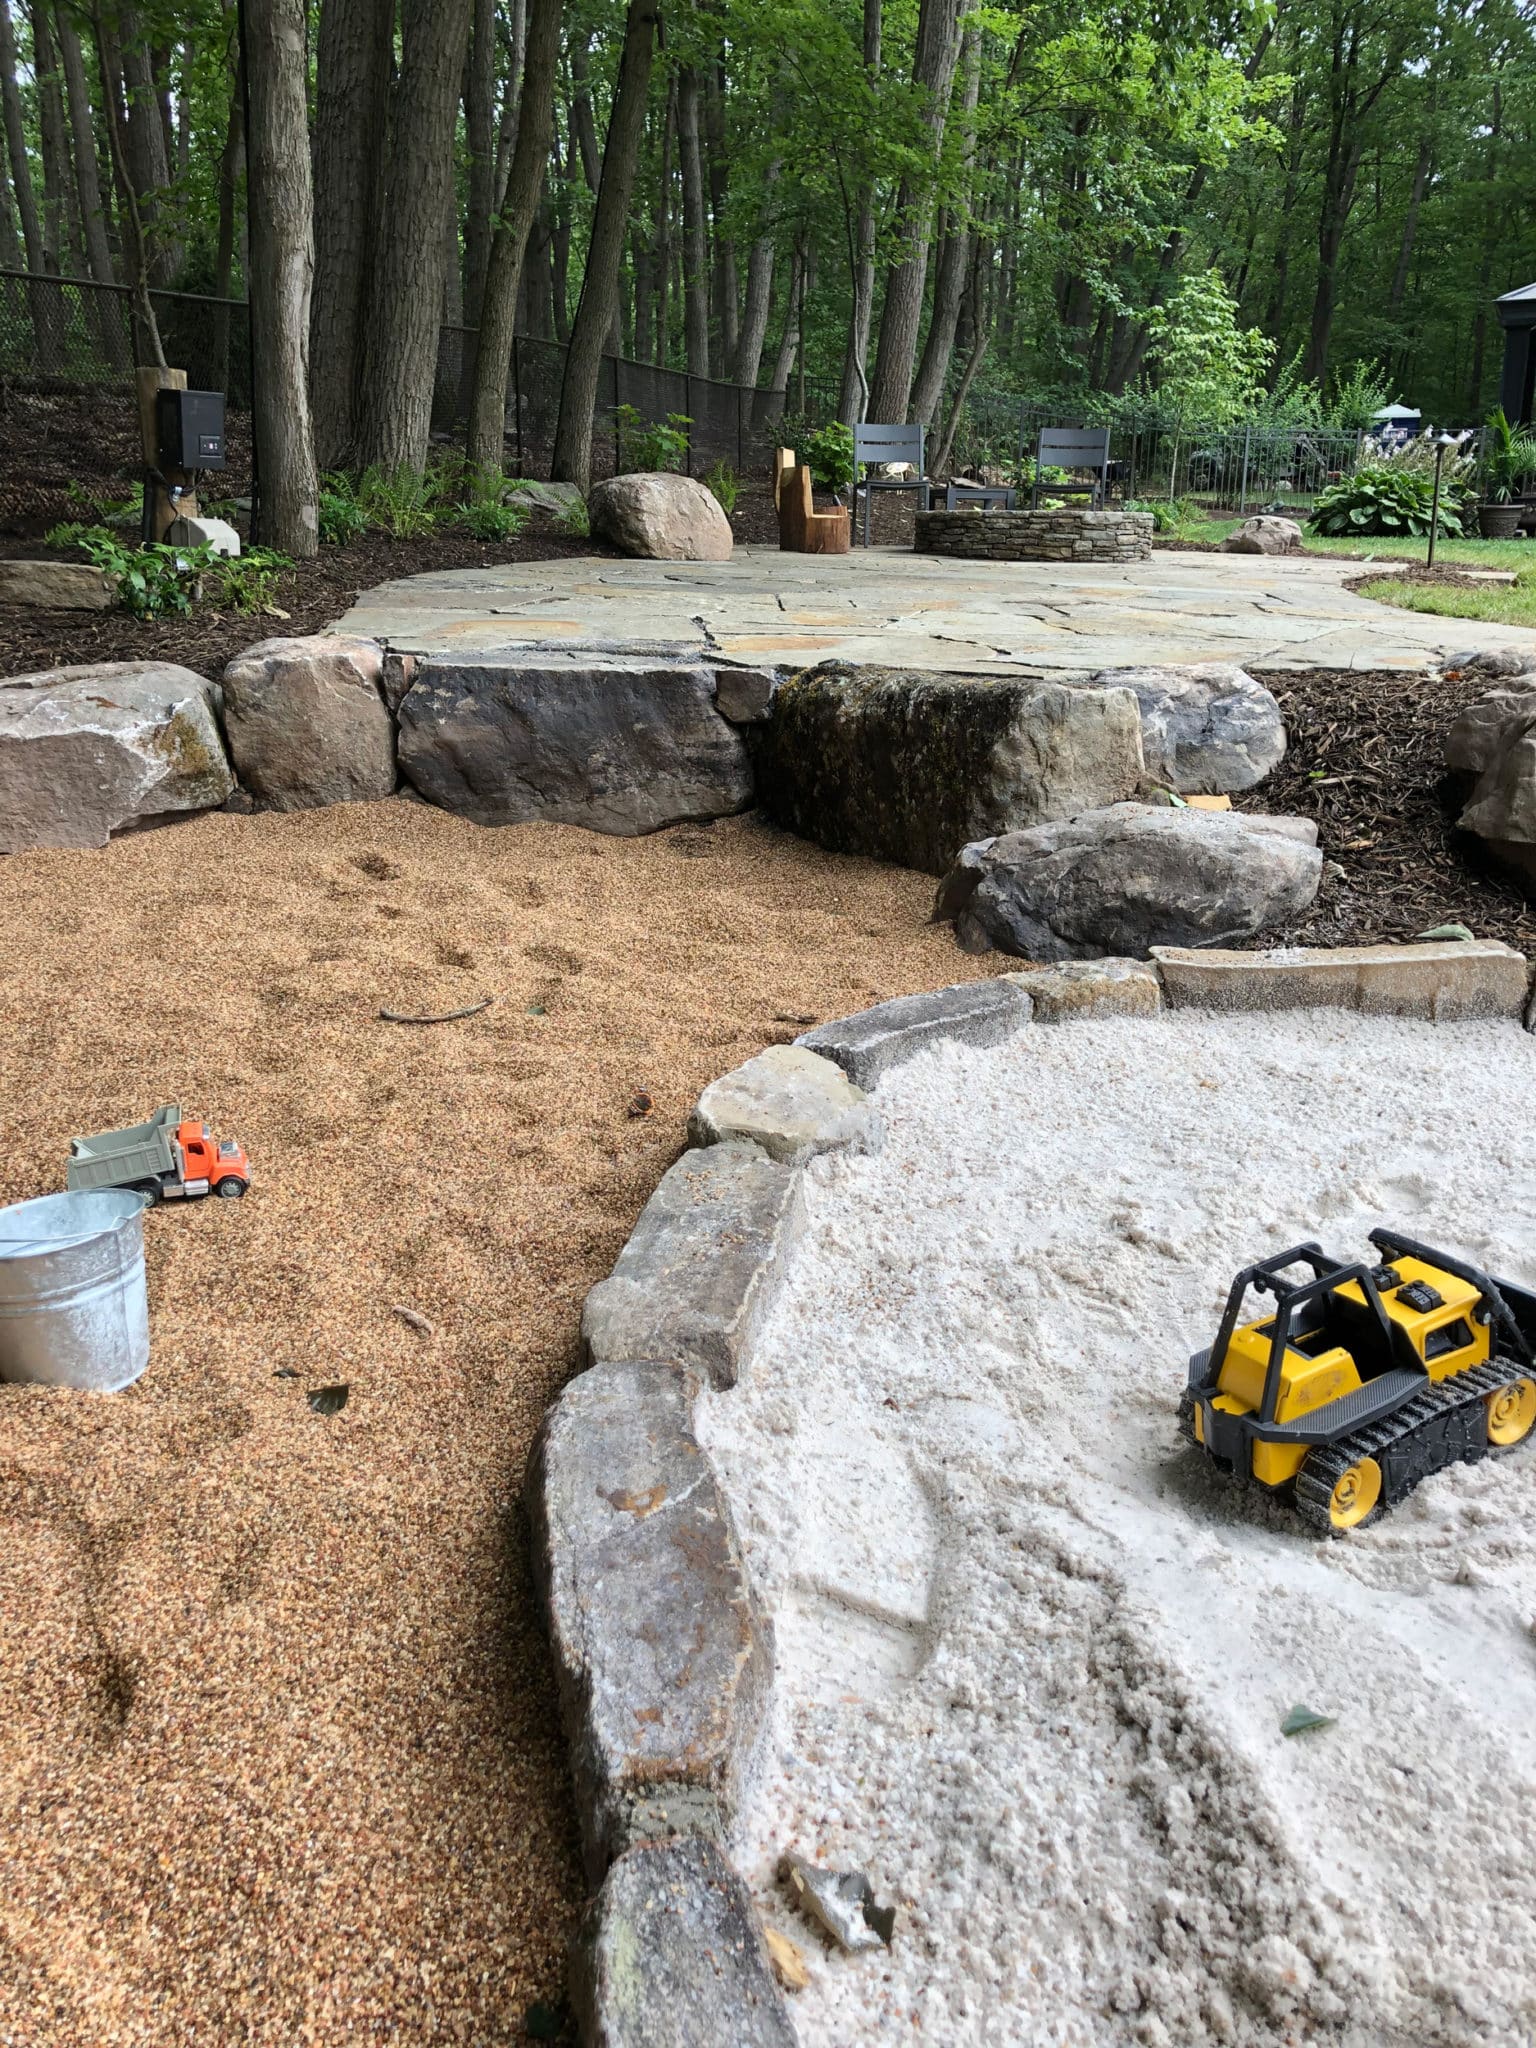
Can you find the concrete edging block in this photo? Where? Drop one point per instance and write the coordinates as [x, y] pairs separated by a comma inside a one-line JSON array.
[[1444, 981]]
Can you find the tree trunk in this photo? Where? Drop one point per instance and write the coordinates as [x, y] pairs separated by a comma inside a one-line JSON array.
[[82, 129], [480, 136], [725, 284], [400, 352], [954, 257], [854, 394], [352, 69], [754, 317], [16, 144], [59, 210], [282, 273], [600, 284], [663, 253], [146, 339], [231, 163], [149, 163], [506, 134], [933, 71], [789, 340], [695, 239], [1410, 225], [535, 124]]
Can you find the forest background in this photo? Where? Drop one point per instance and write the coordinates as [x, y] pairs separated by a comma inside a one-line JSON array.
[[1288, 209]]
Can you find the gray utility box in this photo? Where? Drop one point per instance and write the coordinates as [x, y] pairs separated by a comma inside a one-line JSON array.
[[190, 429]]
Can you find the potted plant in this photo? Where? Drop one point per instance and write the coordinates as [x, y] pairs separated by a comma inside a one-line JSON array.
[[1508, 457]]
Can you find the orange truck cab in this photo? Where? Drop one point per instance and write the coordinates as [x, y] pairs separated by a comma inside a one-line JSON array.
[[207, 1167]]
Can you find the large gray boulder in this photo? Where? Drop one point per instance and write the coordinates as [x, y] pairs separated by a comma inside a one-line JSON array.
[[82, 759], [1264, 534], [669, 518], [1207, 729], [617, 748], [1128, 878], [168, 674], [307, 722], [910, 765]]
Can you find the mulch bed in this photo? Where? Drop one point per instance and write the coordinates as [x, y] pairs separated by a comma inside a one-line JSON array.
[[1365, 760], [313, 595]]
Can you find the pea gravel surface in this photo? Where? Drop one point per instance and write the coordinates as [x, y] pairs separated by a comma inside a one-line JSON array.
[[279, 1755]]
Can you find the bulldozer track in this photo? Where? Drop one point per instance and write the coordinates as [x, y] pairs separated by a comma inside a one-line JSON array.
[[1444, 1425]]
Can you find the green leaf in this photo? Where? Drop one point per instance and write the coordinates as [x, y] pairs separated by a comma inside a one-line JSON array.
[[329, 1400], [1301, 1720], [1445, 931]]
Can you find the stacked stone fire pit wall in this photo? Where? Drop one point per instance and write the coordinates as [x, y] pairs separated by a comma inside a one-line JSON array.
[[664, 1656], [1048, 534]]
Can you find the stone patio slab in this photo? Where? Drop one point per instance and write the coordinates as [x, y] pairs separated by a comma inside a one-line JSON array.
[[891, 607]]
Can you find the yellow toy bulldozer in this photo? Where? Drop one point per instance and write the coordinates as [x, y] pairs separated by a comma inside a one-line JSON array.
[[1365, 1379]]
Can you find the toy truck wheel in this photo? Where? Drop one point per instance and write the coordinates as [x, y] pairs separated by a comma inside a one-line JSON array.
[[1511, 1413], [1337, 1490], [231, 1187]]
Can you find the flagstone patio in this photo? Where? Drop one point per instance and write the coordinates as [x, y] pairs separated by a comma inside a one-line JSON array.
[[887, 605]]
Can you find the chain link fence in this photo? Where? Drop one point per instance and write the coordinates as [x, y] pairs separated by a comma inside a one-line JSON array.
[[69, 430]]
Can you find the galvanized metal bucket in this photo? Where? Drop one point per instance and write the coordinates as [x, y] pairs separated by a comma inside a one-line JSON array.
[[73, 1307]]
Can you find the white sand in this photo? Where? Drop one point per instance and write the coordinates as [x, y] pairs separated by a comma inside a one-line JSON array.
[[1033, 1658]]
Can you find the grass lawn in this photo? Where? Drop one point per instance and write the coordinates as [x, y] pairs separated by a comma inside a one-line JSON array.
[[1479, 554], [1506, 604]]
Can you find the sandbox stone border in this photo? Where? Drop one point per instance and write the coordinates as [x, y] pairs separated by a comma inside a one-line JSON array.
[[664, 1657]]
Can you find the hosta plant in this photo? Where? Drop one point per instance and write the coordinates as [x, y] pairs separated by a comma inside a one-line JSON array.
[[1383, 499]]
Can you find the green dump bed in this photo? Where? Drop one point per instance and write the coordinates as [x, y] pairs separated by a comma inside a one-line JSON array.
[[116, 1159]]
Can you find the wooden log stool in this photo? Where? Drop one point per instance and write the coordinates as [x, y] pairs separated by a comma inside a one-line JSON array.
[[802, 529]]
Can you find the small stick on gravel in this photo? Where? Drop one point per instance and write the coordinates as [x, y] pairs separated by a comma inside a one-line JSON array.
[[440, 1017], [417, 1321]]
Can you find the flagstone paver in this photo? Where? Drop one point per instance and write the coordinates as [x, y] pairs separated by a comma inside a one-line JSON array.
[[890, 606]]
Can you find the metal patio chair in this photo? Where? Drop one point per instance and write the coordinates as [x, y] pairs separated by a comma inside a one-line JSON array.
[[1073, 448], [878, 445]]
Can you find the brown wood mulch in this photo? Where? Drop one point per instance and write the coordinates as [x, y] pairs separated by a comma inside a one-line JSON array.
[[1365, 760]]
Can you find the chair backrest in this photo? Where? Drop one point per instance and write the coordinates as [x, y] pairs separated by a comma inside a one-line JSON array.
[[888, 444], [1073, 447]]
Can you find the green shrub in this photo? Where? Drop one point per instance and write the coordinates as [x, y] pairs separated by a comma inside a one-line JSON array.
[[1169, 515], [160, 580], [651, 444], [829, 455], [726, 486], [400, 502], [1384, 499], [1508, 458], [490, 519], [575, 522], [341, 517], [243, 583]]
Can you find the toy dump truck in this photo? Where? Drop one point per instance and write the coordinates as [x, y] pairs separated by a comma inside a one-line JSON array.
[[169, 1158], [1365, 1379]]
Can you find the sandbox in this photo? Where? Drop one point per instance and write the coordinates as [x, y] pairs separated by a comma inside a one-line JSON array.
[[1032, 1659]]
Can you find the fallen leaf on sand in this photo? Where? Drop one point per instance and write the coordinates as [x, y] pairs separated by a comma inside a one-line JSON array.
[[788, 1963], [416, 1320]]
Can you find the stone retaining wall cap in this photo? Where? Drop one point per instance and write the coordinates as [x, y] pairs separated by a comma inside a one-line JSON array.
[[662, 1657], [871, 1042], [789, 1101]]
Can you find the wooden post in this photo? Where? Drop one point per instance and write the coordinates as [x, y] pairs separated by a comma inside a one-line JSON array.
[[161, 512]]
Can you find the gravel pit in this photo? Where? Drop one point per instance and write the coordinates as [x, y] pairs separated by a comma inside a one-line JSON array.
[[279, 1757], [1033, 1657]]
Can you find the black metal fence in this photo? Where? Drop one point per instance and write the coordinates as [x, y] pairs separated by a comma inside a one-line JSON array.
[[67, 347]]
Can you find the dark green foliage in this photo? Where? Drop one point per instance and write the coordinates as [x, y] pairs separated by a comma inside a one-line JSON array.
[[1383, 498]]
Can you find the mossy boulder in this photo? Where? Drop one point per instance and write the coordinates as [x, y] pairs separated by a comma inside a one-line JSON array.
[[912, 764]]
